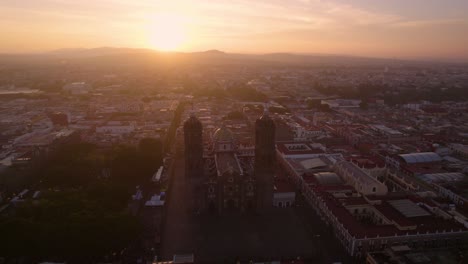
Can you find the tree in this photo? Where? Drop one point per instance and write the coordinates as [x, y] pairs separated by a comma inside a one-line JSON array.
[[170, 135], [246, 93], [69, 225], [151, 151]]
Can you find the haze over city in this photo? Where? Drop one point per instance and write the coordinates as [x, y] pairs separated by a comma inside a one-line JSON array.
[[394, 29], [239, 132]]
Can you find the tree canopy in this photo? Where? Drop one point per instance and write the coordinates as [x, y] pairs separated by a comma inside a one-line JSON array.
[[69, 224], [81, 211]]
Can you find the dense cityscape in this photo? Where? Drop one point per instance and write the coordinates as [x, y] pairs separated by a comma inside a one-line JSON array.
[[133, 156]]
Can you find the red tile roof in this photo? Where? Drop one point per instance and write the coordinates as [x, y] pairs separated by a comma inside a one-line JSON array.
[[360, 230]]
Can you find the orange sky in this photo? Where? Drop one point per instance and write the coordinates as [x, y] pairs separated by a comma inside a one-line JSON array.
[[402, 29]]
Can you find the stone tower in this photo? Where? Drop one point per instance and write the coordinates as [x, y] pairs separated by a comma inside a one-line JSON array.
[[265, 159], [193, 140]]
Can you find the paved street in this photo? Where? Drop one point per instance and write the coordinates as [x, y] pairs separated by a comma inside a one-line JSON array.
[[178, 229], [285, 233]]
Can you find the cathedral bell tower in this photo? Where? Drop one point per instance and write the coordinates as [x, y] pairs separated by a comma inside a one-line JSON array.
[[193, 140], [265, 160]]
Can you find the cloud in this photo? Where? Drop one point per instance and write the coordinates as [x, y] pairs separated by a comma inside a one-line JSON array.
[[358, 16], [294, 25], [427, 23]]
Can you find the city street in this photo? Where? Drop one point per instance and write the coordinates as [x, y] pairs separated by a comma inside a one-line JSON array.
[[285, 233], [177, 231]]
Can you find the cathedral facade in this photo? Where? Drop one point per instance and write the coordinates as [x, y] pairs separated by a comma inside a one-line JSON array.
[[223, 177]]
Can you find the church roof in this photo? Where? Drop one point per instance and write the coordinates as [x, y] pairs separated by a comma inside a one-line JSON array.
[[223, 134], [227, 162]]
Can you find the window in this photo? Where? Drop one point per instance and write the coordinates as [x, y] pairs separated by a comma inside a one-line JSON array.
[[373, 189], [211, 189], [280, 204]]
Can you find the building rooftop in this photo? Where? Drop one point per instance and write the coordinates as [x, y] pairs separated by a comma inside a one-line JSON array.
[[315, 163], [443, 177], [298, 148], [328, 178], [422, 157], [223, 134], [227, 162], [408, 208], [400, 224]]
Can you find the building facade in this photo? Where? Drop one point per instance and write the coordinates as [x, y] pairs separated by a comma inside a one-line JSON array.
[[223, 177]]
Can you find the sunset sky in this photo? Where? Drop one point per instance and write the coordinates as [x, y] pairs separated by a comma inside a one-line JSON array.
[[396, 28]]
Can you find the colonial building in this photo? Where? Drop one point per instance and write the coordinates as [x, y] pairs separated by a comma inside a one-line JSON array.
[[224, 178]]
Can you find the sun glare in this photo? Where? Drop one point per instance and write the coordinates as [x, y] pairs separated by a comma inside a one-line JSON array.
[[167, 32]]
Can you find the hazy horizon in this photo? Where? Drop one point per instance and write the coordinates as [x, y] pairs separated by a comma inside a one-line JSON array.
[[405, 30]]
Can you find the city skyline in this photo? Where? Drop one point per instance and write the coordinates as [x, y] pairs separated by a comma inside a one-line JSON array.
[[414, 30], [259, 132]]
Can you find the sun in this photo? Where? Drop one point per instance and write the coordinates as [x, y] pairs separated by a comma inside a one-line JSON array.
[[167, 32]]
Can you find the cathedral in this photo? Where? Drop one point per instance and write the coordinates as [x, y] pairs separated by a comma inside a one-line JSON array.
[[223, 177]]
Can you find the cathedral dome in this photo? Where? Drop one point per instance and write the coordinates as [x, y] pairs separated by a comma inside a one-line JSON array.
[[223, 134]]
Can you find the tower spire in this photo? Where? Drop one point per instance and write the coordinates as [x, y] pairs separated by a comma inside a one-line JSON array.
[[265, 160], [193, 140]]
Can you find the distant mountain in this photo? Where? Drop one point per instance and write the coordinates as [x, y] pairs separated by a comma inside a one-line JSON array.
[[208, 54], [214, 52], [111, 55]]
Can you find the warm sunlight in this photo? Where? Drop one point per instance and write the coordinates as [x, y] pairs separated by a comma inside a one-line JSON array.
[[166, 32]]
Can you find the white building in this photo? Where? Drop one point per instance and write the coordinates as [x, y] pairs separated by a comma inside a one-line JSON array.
[[361, 181]]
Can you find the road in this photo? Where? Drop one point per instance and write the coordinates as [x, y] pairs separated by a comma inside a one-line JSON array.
[[177, 233]]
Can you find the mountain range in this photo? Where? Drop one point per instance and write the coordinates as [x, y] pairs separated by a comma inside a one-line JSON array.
[[129, 55]]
